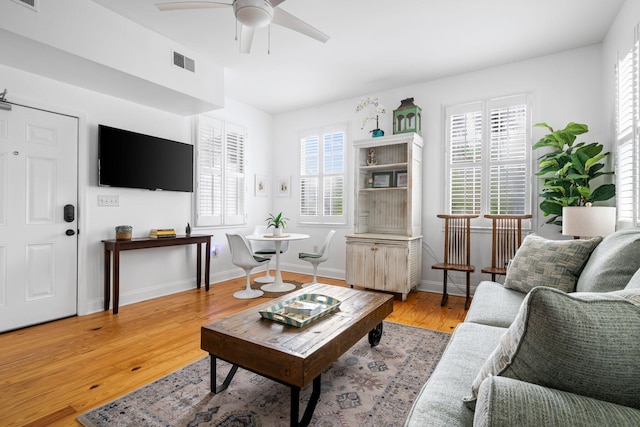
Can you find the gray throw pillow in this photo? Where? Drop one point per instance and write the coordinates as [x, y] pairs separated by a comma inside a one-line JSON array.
[[582, 343], [553, 263], [612, 263]]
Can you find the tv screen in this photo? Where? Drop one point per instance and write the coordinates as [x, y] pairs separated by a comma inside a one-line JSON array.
[[134, 160]]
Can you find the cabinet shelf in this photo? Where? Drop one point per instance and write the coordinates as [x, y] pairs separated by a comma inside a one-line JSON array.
[[384, 189], [384, 167]]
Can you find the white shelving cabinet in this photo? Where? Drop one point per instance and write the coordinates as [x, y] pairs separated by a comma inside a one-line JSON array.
[[384, 251]]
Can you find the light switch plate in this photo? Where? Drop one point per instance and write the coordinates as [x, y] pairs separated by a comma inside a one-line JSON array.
[[109, 201]]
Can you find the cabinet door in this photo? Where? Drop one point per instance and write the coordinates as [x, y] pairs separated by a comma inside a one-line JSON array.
[[360, 264], [378, 266], [391, 268]]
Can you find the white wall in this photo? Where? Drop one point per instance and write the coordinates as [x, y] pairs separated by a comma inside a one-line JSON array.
[[147, 273], [566, 87], [107, 53]]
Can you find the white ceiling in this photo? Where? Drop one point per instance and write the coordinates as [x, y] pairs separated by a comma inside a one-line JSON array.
[[375, 45]]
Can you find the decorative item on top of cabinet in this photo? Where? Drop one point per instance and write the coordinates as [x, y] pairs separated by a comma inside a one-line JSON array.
[[387, 237], [407, 117], [378, 109]]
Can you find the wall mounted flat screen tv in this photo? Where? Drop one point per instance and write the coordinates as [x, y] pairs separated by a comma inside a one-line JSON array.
[[133, 160]]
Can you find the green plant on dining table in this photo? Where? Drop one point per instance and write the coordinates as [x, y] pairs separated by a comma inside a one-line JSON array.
[[277, 221], [568, 170]]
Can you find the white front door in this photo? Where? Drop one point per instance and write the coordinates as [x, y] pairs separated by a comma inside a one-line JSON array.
[[38, 245]]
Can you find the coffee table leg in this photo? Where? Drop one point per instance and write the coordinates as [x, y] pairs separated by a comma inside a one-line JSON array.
[[375, 334], [311, 406], [214, 387]]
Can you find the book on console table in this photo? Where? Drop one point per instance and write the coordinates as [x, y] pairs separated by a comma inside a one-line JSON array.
[[160, 233]]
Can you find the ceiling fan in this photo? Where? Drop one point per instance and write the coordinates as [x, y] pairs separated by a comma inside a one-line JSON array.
[[252, 14]]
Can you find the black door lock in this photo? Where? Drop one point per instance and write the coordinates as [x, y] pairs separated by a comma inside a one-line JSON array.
[[69, 213]]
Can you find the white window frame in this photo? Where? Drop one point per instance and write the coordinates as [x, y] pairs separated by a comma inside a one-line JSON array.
[[627, 134], [220, 196], [322, 177], [474, 157]]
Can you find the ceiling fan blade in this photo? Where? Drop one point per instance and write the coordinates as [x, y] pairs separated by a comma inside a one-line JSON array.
[[285, 19], [184, 5], [246, 38], [274, 3]]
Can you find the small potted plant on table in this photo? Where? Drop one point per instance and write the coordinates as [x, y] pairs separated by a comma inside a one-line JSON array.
[[278, 223]]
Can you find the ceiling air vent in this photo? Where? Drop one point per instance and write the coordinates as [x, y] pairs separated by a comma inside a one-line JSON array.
[[31, 4], [179, 60]]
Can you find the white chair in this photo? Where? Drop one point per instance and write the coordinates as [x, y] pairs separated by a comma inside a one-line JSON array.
[[242, 256], [316, 258], [265, 250]]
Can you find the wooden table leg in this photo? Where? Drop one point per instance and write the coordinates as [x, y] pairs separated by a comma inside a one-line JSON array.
[[116, 280], [199, 265], [207, 263], [107, 279]]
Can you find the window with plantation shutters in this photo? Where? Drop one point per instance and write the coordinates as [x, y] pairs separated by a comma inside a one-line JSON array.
[[488, 157], [627, 134], [220, 169], [465, 156], [626, 145], [322, 176]]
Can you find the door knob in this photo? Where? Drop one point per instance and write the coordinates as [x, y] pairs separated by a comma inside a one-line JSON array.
[[70, 232]]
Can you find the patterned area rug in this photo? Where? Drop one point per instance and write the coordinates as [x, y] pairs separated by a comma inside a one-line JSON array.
[[277, 294], [365, 387]]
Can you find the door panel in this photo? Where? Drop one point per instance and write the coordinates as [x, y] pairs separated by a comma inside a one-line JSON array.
[[41, 190], [40, 271], [4, 183], [3, 276], [38, 177]]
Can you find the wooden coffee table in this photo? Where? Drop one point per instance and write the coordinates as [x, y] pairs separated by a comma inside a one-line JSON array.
[[290, 355]]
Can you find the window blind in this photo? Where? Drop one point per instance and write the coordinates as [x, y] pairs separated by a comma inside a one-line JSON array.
[[488, 149], [627, 134], [220, 184], [322, 176], [508, 148]]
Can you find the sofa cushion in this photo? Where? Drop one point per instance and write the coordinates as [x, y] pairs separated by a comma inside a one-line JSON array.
[[439, 403], [612, 263], [583, 343], [505, 402], [494, 305], [553, 263]]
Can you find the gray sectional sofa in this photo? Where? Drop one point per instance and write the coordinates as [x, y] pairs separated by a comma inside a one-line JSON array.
[[557, 345]]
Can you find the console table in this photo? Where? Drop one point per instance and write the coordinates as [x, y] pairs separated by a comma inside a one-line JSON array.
[[115, 246]]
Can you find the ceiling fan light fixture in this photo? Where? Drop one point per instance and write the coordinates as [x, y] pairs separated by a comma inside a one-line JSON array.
[[253, 13]]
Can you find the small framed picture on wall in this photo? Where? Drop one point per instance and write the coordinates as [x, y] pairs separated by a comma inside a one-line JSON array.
[[284, 186], [261, 185]]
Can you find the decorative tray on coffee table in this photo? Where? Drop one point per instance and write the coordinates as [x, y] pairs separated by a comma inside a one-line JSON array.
[[301, 310]]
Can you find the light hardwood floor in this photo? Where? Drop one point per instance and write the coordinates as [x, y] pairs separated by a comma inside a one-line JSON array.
[[51, 373]]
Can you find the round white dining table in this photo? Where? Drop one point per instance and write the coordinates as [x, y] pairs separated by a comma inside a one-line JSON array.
[[278, 285]]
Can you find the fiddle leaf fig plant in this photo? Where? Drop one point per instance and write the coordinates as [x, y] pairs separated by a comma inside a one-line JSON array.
[[276, 221], [568, 169]]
